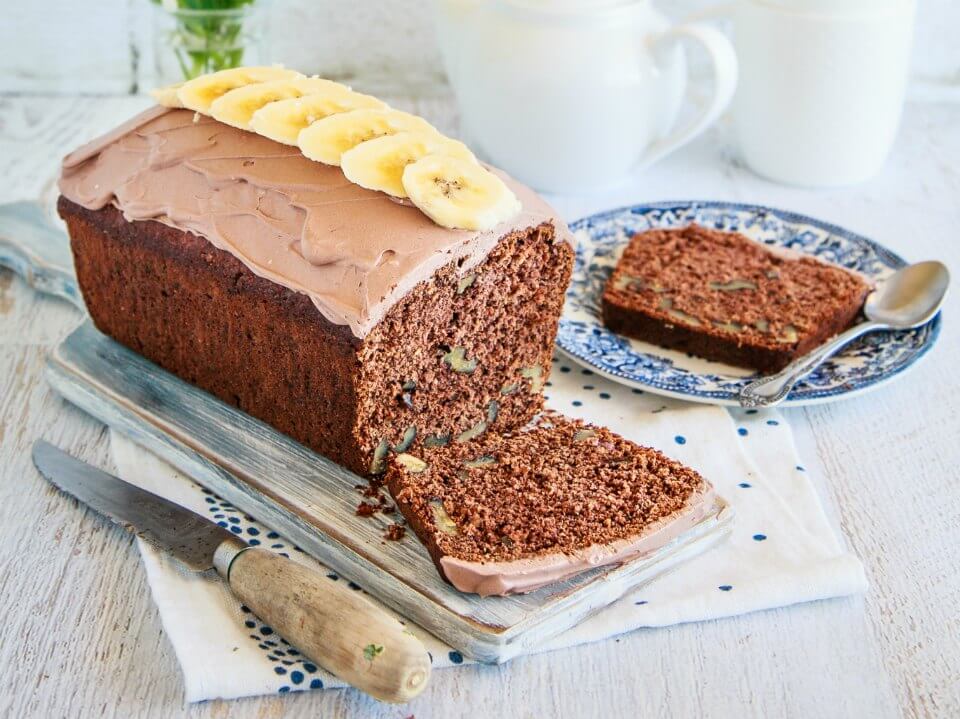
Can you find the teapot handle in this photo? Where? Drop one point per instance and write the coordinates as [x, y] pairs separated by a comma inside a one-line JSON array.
[[724, 62]]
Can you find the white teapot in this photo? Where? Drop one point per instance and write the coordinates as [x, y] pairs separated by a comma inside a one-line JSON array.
[[574, 95]]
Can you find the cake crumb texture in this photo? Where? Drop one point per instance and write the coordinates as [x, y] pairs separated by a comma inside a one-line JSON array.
[[462, 354], [722, 296], [558, 486]]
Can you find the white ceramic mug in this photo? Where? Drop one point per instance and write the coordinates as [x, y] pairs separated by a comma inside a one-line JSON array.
[[822, 85], [574, 95]]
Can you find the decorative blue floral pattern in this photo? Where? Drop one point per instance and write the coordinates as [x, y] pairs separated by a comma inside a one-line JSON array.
[[870, 360]]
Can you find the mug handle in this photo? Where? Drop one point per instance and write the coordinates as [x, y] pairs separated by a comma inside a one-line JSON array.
[[724, 62]]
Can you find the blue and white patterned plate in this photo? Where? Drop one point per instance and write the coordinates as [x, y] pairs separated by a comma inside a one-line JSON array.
[[865, 364]]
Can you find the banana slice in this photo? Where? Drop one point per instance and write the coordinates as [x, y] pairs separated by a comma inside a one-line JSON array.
[[378, 164], [198, 94], [167, 96], [284, 119], [458, 193], [327, 139], [236, 107]]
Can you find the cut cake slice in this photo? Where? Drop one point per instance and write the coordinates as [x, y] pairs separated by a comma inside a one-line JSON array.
[[722, 296], [512, 513]]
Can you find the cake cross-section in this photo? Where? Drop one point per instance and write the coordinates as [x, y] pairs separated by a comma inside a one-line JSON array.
[[509, 514], [344, 317], [722, 296]]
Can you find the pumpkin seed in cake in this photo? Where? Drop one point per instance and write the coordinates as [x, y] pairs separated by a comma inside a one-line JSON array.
[[466, 282], [535, 375], [379, 462], [628, 282], [728, 326], [411, 463], [485, 460], [666, 303], [457, 360], [441, 519], [789, 334], [472, 433], [408, 436], [733, 285]]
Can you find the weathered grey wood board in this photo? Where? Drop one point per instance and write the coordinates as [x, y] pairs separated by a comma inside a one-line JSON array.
[[312, 501], [307, 497]]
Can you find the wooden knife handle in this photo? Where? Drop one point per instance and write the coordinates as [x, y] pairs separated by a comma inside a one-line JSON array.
[[331, 624]]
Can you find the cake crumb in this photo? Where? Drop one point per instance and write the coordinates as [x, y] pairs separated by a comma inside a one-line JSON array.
[[365, 509], [395, 532]]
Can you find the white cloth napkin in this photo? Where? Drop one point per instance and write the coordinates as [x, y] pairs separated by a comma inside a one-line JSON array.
[[782, 550]]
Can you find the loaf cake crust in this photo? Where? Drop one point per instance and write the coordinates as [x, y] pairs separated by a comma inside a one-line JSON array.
[[201, 314], [345, 318], [724, 297], [509, 514]]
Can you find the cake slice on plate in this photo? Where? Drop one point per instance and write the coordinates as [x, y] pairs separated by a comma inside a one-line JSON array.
[[509, 514], [722, 296]]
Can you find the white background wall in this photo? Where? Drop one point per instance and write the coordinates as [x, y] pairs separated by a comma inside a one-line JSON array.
[[90, 46]]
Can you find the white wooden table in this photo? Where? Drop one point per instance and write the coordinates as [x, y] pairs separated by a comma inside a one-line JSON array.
[[80, 635]]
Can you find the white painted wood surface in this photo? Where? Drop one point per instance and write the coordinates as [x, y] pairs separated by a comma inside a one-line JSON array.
[[80, 636], [105, 47]]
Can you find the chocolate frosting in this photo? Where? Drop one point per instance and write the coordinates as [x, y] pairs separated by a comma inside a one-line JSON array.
[[525, 575], [296, 222]]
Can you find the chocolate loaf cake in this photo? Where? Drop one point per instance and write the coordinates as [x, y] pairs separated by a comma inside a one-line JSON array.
[[509, 514], [342, 316], [722, 296]]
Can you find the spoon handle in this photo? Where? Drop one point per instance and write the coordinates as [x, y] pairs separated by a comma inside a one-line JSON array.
[[773, 389]]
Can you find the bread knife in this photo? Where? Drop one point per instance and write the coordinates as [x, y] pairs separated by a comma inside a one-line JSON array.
[[330, 624]]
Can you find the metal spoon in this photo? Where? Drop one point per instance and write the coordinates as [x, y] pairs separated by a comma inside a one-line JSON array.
[[909, 298]]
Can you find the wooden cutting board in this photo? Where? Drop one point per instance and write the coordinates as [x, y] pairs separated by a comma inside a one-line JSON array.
[[304, 496]]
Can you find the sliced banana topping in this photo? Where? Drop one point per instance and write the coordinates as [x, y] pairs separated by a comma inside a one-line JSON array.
[[458, 193], [237, 106], [283, 120], [327, 139], [378, 164], [201, 92], [378, 148], [167, 96]]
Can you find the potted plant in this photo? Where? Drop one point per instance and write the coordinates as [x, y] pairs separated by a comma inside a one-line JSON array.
[[193, 37]]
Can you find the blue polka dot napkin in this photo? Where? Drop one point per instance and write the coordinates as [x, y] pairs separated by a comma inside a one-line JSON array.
[[782, 551]]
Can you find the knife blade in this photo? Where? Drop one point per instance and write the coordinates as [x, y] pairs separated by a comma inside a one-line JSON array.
[[330, 624], [168, 526]]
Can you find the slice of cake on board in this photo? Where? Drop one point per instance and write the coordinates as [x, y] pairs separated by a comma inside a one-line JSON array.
[[509, 514], [724, 297]]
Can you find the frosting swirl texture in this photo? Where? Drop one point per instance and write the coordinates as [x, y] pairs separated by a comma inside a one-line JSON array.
[[296, 222]]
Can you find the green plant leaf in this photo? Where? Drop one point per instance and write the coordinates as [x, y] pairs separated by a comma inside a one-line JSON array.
[[372, 651]]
